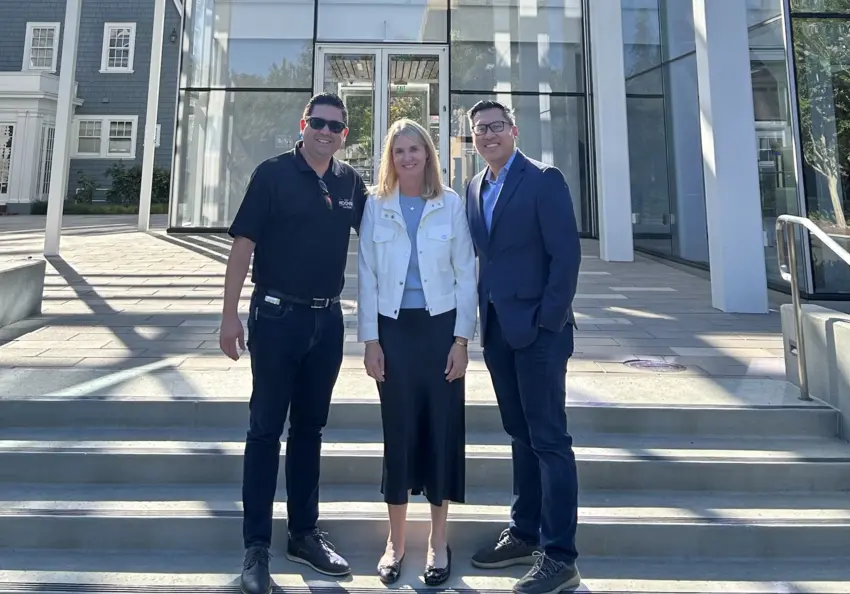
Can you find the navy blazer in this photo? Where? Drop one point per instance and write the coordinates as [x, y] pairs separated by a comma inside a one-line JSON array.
[[529, 261]]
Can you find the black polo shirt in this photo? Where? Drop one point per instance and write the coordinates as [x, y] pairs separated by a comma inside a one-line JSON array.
[[301, 243]]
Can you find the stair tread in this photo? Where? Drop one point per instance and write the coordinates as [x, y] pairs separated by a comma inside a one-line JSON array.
[[364, 502], [215, 384], [351, 442], [183, 572]]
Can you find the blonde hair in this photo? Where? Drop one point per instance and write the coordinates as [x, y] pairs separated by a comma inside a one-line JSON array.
[[387, 175]]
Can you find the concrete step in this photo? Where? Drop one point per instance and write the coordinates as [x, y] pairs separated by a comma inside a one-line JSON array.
[[161, 570], [364, 413], [618, 525], [618, 462], [649, 405]]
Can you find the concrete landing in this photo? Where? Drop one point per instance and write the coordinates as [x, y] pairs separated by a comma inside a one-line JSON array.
[[117, 298]]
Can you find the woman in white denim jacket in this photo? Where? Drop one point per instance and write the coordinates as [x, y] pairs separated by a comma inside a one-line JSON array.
[[417, 307]]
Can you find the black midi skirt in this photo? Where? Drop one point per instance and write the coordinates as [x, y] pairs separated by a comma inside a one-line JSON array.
[[422, 413]]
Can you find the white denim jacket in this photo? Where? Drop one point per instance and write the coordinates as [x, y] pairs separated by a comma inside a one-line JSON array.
[[446, 262]]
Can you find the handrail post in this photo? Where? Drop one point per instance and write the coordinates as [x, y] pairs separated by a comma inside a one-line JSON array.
[[802, 369]]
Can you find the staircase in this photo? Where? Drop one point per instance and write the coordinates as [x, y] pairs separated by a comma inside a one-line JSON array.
[[135, 487]]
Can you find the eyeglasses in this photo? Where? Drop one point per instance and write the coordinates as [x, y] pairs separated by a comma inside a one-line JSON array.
[[480, 129], [326, 194], [320, 123]]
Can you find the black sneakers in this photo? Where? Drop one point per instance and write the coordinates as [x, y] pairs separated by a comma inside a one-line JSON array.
[[313, 550], [317, 552], [508, 551], [255, 572], [549, 576]]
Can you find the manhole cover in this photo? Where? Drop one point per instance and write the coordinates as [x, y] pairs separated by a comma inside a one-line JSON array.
[[657, 366]]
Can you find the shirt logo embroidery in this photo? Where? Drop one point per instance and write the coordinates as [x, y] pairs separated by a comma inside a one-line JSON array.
[[347, 204]]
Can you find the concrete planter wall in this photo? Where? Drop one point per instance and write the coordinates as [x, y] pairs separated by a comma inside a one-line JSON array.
[[21, 290], [827, 334]]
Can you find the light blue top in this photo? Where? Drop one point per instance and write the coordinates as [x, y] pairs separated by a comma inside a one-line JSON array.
[[413, 296]]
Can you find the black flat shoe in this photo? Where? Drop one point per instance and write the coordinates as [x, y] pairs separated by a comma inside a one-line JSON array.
[[434, 576], [389, 574]]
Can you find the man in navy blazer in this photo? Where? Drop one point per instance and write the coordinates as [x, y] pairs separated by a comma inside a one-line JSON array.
[[526, 237]]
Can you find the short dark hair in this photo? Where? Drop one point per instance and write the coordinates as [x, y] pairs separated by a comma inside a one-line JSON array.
[[492, 104], [331, 99]]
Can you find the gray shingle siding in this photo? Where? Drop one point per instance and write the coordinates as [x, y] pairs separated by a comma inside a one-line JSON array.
[[14, 17], [104, 94]]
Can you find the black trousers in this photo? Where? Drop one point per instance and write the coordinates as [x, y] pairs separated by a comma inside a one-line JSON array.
[[422, 412], [530, 385], [296, 354]]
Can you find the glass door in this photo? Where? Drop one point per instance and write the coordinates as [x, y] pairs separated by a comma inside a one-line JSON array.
[[380, 85]]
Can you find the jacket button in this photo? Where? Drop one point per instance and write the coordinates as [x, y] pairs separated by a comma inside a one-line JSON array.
[[401, 282]]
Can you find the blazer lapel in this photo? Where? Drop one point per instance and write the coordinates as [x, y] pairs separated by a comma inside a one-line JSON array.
[[511, 184]]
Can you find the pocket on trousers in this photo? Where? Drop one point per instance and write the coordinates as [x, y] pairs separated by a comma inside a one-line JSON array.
[[271, 311]]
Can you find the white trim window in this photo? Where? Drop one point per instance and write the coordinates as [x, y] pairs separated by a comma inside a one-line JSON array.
[[105, 137], [119, 48], [41, 50]]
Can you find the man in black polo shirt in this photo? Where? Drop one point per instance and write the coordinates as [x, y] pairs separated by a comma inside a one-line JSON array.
[[296, 219]]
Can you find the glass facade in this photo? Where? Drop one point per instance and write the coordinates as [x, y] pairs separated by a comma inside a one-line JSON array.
[[249, 67], [820, 30]]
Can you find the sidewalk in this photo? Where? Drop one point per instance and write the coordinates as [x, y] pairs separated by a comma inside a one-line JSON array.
[[119, 299]]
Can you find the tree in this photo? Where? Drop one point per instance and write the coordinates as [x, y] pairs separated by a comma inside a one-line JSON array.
[[822, 55]]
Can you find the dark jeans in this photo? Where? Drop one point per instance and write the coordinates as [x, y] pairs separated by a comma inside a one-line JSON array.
[[296, 354], [530, 385]]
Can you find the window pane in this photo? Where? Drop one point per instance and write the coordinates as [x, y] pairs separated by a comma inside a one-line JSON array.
[[665, 151], [551, 130], [823, 86], [89, 146], [224, 135], [828, 6], [249, 43], [383, 20], [774, 133], [519, 45], [642, 47], [120, 146]]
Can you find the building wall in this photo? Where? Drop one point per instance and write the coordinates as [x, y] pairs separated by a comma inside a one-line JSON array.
[[104, 94], [125, 94]]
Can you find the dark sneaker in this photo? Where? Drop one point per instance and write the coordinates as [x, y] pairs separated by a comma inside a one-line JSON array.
[[549, 577], [255, 572], [508, 551], [317, 552]]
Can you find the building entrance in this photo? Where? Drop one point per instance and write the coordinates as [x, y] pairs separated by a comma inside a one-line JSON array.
[[380, 85]]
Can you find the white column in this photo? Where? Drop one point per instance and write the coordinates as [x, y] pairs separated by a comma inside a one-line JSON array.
[[613, 185], [730, 163], [62, 138], [151, 117]]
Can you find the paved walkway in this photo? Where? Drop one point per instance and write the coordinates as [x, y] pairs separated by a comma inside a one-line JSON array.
[[117, 298]]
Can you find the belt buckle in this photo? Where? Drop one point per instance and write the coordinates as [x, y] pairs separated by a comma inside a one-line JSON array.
[[319, 303]]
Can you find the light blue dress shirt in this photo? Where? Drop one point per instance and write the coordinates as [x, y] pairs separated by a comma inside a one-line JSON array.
[[491, 190]]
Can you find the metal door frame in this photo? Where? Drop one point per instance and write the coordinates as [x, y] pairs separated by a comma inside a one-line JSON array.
[[381, 54]]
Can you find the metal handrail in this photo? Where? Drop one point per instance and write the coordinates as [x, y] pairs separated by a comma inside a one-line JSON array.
[[788, 271]]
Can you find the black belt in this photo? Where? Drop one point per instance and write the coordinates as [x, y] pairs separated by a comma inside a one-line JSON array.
[[274, 296]]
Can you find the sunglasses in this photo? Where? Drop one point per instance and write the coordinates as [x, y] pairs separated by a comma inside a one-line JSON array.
[[326, 194], [320, 123]]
